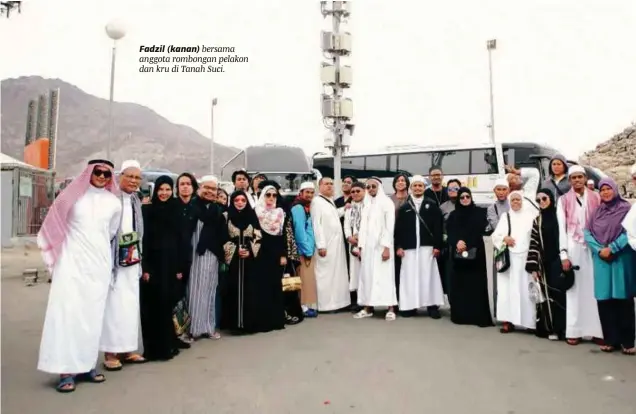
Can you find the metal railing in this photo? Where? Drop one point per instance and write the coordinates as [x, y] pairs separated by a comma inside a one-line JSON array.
[[33, 194]]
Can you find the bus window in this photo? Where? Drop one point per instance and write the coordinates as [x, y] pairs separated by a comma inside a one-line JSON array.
[[350, 165], [483, 161], [452, 162], [393, 164], [417, 163], [376, 165]]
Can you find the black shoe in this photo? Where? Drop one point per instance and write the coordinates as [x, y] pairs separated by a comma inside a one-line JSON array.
[[433, 312], [183, 345]]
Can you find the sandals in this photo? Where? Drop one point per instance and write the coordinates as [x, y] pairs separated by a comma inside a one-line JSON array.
[[607, 348], [91, 376], [215, 335], [363, 314], [66, 384], [573, 341], [629, 351], [134, 359], [390, 316], [112, 365], [506, 327]]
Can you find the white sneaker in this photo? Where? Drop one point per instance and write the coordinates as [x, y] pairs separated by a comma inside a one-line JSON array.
[[362, 314]]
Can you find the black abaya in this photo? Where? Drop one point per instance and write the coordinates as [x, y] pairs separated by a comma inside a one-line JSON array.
[[162, 258], [468, 278]]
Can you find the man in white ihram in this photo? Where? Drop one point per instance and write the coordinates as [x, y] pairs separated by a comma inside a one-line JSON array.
[[332, 279], [376, 285], [120, 336], [75, 240]]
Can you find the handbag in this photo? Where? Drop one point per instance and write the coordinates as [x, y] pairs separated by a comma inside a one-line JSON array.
[[291, 283], [470, 254], [536, 295], [502, 255], [181, 318]]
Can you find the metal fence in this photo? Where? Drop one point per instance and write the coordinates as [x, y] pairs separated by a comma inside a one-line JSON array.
[[33, 194]]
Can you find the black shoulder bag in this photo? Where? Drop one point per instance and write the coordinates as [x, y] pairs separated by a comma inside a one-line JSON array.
[[502, 255]]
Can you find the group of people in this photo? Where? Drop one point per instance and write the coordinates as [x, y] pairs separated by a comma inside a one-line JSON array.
[[195, 261]]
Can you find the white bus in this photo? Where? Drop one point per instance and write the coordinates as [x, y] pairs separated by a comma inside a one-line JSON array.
[[475, 166]]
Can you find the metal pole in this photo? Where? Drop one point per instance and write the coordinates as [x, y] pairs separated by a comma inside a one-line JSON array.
[[337, 130], [492, 100], [110, 103], [214, 101]]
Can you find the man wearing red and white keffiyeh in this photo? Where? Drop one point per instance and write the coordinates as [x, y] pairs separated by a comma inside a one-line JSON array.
[[75, 240]]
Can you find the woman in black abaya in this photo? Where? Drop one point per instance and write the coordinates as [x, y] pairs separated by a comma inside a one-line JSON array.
[[466, 228], [163, 264], [545, 266]]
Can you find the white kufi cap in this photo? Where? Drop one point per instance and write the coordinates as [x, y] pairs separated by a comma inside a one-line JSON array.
[[590, 181], [576, 169], [130, 164], [417, 179], [501, 182], [209, 178], [307, 185]]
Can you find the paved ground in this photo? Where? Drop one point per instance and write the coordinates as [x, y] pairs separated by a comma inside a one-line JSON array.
[[333, 364]]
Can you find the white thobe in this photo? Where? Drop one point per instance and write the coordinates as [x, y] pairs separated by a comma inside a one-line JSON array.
[[354, 262], [81, 279], [582, 319], [332, 281], [420, 282], [121, 320], [377, 277], [513, 296]]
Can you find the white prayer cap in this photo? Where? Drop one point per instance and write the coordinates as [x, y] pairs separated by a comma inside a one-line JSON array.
[[307, 185], [417, 179], [209, 178], [130, 164], [633, 170], [590, 181], [501, 182], [576, 169]]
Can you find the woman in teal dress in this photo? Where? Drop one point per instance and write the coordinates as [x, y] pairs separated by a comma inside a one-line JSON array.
[[614, 272]]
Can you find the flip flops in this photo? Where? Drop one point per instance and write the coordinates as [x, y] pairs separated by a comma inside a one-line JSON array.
[[66, 384]]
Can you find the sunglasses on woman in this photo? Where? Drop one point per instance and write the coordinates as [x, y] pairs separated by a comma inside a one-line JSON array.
[[542, 199], [465, 197], [270, 195], [102, 173]]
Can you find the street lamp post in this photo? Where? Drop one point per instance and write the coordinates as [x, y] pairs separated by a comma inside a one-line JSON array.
[[214, 102], [490, 46], [115, 30]]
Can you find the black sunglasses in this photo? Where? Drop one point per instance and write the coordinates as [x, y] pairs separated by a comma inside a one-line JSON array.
[[465, 197], [102, 173], [540, 199], [356, 191], [371, 186], [270, 195]]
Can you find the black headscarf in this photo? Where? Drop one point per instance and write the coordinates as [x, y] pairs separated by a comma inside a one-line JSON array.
[[161, 218], [241, 219], [467, 223], [549, 226]]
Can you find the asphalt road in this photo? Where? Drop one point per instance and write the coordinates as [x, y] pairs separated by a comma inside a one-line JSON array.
[[333, 364]]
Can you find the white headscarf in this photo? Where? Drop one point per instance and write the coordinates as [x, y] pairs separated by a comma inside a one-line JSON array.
[[271, 219], [521, 222], [375, 210]]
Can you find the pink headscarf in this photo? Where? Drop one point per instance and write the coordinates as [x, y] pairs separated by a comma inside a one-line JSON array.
[[572, 219], [54, 229]]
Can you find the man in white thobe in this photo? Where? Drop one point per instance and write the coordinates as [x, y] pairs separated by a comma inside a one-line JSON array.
[[120, 336], [376, 285], [332, 280], [419, 239], [75, 240], [514, 306], [574, 210]]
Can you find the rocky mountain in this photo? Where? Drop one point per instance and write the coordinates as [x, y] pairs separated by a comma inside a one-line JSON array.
[[139, 132], [615, 157]]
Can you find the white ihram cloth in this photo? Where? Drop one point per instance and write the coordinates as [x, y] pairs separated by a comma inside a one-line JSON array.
[[352, 229], [81, 281], [121, 319], [582, 319], [513, 297], [377, 278], [332, 281], [420, 282]]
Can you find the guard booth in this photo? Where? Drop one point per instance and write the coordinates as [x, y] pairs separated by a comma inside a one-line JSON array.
[[27, 194]]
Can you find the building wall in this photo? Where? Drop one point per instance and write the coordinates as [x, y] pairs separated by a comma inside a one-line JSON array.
[[6, 207]]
